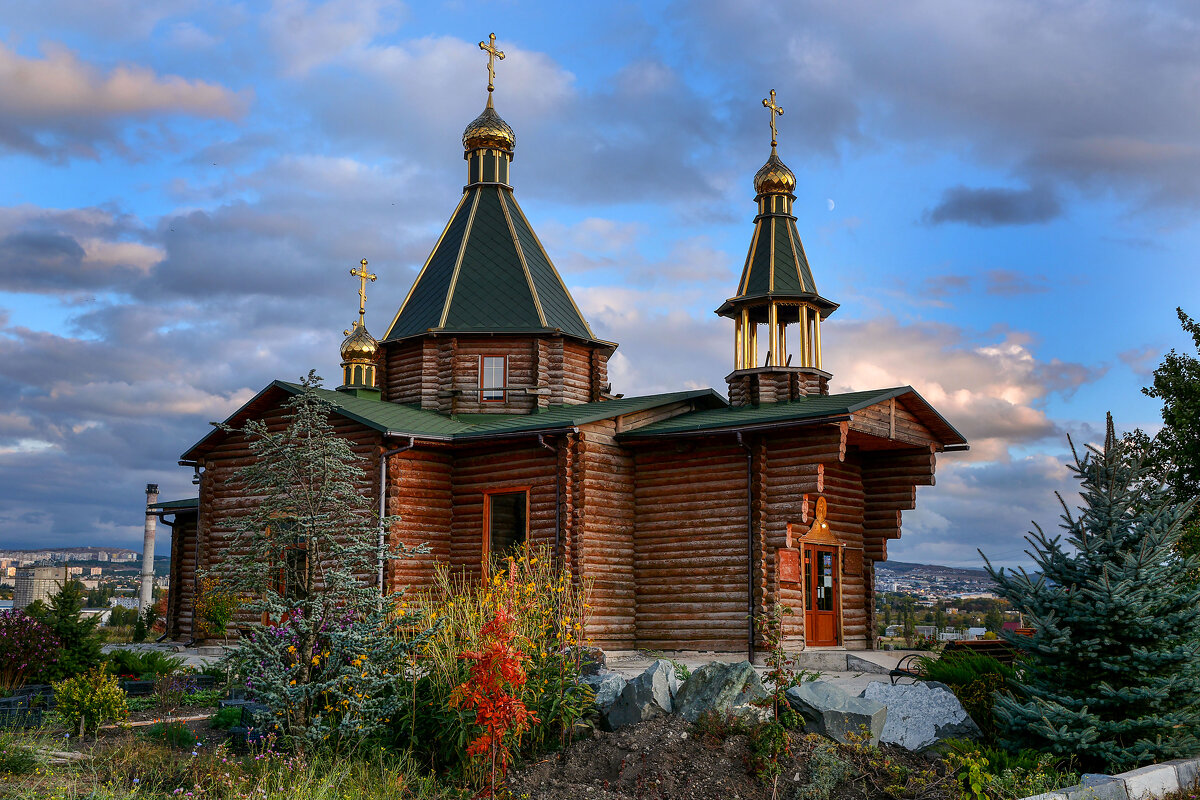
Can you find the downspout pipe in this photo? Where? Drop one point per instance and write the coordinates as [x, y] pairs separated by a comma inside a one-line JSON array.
[[749, 548], [557, 492], [383, 472]]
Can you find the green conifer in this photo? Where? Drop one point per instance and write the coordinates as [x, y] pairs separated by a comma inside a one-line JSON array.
[[80, 641], [1112, 670]]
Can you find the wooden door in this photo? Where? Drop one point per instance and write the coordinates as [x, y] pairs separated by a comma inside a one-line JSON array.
[[821, 595]]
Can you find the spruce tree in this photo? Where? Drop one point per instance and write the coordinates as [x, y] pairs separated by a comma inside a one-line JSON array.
[[80, 640], [328, 656], [1112, 670]]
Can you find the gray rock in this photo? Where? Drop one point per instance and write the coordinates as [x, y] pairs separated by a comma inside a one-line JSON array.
[[718, 687], [921, 714], [608, 687], [647, 696], [833, 712], [753, 713]]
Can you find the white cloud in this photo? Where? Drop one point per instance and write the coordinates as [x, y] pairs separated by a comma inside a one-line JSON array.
[[60, 86]]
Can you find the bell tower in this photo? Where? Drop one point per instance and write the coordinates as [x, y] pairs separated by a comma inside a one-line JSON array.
[[777, 311]]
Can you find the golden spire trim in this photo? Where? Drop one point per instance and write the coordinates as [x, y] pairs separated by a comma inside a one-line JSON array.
[[489, 47], [363, 276], [775, 110]]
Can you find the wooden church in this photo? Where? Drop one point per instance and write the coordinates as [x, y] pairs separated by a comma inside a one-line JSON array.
[[486, 416]]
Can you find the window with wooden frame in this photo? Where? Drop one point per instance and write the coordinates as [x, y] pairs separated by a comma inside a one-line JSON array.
[[493, 379], [505, 523], [291, 578]]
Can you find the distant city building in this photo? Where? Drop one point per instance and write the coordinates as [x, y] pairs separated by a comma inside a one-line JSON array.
[[36, 583], [102, 556], [74, 571], [96, 570], [123, 601]]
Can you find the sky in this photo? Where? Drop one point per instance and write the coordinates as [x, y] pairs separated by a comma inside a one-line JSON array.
[[1001, 195]]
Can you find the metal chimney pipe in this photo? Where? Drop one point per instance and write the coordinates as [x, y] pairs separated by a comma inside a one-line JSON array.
[[147, 597]]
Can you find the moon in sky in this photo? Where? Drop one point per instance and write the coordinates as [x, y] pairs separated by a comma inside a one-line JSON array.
[[829, 203]]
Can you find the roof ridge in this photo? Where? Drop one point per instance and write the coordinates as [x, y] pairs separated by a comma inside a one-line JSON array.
[[462, 249]]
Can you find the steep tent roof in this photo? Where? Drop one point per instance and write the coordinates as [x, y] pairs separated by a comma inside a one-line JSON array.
[[489, 273]]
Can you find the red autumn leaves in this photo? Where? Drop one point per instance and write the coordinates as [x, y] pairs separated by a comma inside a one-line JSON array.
[[496, 678]]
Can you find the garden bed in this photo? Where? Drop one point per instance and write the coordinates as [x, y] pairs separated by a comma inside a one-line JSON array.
[[670, 758]]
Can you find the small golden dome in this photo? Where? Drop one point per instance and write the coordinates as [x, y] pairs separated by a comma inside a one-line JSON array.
[[774, 177], [359, 345], [488, 130]]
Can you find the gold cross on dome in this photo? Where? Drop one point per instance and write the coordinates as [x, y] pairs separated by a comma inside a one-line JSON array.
[[489, 47], [363, 276], [775, 110]]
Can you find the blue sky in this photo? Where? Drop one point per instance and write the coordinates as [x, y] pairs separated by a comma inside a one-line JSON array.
[[1001, 195]]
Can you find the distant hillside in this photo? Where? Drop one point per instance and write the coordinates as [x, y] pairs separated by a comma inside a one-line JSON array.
[[903, 567]]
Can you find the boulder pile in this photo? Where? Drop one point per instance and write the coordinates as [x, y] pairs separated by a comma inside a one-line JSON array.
[[914, 716]]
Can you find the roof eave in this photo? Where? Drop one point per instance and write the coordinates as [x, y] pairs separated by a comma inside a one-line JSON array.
[[827, 307], [551, 332]]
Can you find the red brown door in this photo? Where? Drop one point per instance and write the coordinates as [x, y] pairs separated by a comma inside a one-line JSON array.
[[820, 595]]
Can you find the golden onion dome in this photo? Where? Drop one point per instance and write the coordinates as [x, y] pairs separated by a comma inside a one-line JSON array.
[[488, 130], [774, 177], [359, 345]]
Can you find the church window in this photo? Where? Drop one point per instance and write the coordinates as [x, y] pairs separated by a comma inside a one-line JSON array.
[[506, 523], [493, 377]]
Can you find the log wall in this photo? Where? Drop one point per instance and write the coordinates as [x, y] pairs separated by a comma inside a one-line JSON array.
[[442, 373], [690, 546], [607, 494], [794, 474], [419, 492], [182, 587], [498, 468]]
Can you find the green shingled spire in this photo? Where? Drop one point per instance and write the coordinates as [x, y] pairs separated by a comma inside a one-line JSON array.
[[488, 272]]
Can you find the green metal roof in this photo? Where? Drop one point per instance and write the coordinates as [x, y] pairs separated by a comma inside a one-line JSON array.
[[396, 419], [488, 273], [813, 408], [188, 504]]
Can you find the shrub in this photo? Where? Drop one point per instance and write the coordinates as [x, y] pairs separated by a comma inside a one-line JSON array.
[[87, 700], [79, 641], [172, 734], [548, 616], [143, 664], [216, 607], [226, 718], [494, 678], [975, 680], [990, 773], [30, 648]]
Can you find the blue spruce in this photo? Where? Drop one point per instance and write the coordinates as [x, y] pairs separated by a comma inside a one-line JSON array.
[[1112, 671]]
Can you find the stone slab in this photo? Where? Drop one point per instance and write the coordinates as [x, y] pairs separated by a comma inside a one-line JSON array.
[[1187, 770], [1150, 782], [1097, 787]]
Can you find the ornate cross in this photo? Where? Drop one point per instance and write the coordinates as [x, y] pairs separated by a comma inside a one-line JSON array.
[[775, 110], [489, 47], [363, 276]]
